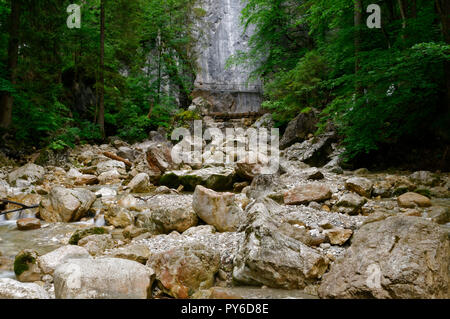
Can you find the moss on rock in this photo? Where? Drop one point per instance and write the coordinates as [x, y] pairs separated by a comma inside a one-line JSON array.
[[80, 234], [23, 260]]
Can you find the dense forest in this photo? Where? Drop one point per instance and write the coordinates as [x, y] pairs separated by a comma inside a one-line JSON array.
[[130, 69]]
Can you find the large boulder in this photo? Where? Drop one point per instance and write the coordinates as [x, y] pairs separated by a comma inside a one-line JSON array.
[[28, 224], [159, 159], [217, 209], [298, 129], [425, 178], [186, 262], [252, 165], [111, 165], [360, 185], [269, 257], [66, 205], [185, 268], [216, 178], [265, 121], [140, 183], [128, 153], [411, 200], [27, 174], [303, 194], [398, 257], [51, 260], [106, 278], [350, 203], [110, 177], [172, 212], [119, 217], [316, 151], [12, 289]]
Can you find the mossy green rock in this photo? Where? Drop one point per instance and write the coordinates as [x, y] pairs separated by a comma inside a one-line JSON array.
[[216, 178], [26, 267], [80, 234]]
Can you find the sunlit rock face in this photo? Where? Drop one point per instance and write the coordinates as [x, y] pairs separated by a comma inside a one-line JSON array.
[[220, 35]]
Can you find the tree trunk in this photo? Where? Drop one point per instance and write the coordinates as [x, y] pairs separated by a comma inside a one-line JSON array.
[[6, 103], [358, 21], [401, 5], [101, 111]]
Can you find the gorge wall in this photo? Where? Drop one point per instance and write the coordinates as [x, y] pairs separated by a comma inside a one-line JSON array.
[[220, 35]]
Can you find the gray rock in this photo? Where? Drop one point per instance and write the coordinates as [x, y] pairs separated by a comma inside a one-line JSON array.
[[263, 185], [127, 153], [111, 165], [440, 215], [119, 217], [28, 174], [110, 177], [315, 174], [252, 165], [398, 257], [51, 260], [304, 194], [314, 152], [158, 136], [159, 159], [185, 268], [269, 257], [223, 246], [216, 178], [12, 289], [425, 178], [97, 244], [350, 203], [135, 252], [140, 183], [66, 205], [298, 129], [219, 35], [217, 209], [172, 212], [360, 185], [105, 278]]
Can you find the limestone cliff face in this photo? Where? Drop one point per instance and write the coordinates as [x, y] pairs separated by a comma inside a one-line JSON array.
[[220, 35]]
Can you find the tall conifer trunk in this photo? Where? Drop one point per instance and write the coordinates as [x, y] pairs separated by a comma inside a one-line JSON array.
[[101, 111], [7, 100]]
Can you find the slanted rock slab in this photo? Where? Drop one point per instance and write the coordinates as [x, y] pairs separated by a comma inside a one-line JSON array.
[[303, 194], [217, 209]]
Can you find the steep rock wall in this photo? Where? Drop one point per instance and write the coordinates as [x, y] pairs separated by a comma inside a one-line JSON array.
[[220, 35]]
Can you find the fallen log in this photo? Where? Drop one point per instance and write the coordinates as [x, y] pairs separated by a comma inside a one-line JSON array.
[[5, 202], [117, 158]]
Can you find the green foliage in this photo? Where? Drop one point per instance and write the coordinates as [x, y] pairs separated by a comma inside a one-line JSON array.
[[396, 92], [297, 90], [184, 117], [147, 65]]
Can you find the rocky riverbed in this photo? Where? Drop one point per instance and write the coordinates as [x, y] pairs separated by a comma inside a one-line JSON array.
[[149, 228]]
